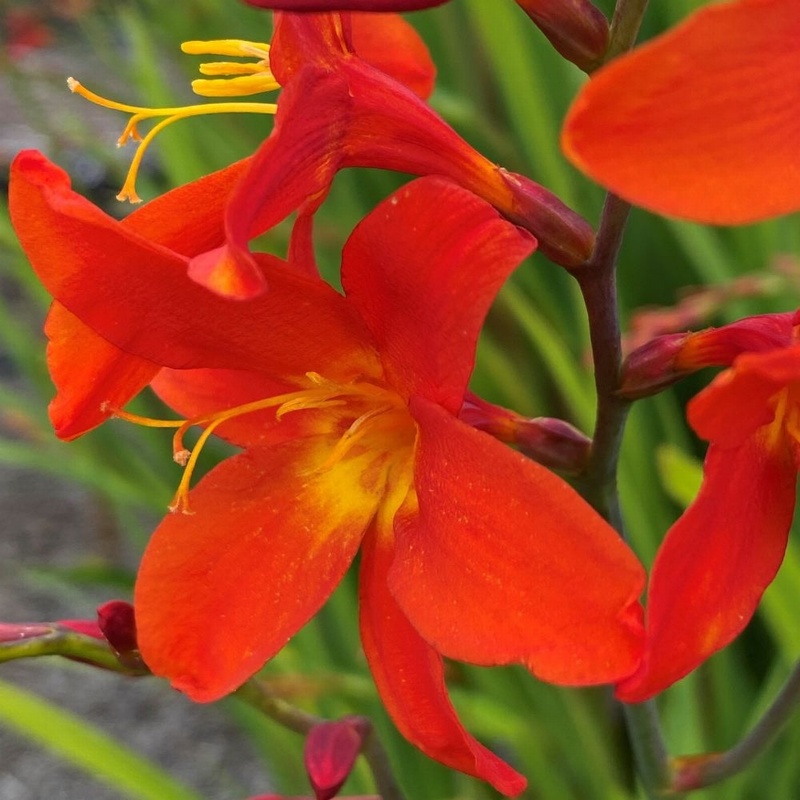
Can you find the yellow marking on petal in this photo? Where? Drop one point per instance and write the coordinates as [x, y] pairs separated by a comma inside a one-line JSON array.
[[786, 422], [243, 79]]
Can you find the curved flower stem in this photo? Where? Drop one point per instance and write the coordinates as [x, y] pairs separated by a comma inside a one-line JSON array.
[[598, 482], [649, 750], [597, 280], [256, 694], [68, 644], [625, 24], [378, 760], [695, 772]]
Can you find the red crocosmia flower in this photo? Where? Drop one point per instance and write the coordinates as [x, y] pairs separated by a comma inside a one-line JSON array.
[[576, 28], [337, 111], [720, 556], [701, 123], [346, 409]]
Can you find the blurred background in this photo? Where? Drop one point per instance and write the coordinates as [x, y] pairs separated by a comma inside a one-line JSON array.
[[76, 516]]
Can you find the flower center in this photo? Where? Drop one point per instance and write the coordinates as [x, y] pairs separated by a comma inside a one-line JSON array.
[[232, 79], [372, 417]]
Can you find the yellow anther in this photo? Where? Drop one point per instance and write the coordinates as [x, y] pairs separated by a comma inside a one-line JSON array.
[[243, 79], [227, 47]]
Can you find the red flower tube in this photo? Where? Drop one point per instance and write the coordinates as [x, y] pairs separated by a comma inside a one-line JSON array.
[[346, 408]]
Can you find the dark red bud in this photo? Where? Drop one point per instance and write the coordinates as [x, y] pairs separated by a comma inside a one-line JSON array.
[[551, 442], [330, 751], [652, 367], [564, 236], [118, 624], [576, 28]]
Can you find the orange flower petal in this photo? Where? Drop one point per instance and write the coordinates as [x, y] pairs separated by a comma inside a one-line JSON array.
[[422, 270], [137, 294], [410, 677], [89, 374], [391, 44], [221, 590], [702, 123], [190, 218], [538, 578], [715, 562], [737, 402]]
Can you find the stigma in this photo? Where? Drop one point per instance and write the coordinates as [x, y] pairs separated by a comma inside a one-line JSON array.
[[225, 79]]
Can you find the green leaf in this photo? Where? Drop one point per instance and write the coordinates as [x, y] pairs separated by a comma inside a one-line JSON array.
[[84, 746], [682, 474]]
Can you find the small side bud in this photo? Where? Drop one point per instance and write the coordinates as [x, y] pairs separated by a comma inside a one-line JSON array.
[[330, 751], [118, 625], [564, 236], [576, 28], [653, 366], [11, 632], [551, 442]]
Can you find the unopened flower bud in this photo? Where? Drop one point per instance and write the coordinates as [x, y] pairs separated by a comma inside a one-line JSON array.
[[576, 28], [564, 236], [653, 366], [118, 625], [330, 751], [551, 442]]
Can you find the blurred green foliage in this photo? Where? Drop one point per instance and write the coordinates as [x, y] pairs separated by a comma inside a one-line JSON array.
[[505, 90]]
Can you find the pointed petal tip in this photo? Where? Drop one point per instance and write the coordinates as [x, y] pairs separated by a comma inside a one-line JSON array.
[[234, 276]]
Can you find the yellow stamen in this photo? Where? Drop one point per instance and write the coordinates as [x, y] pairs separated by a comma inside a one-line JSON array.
[[247, 79], [147, 422], [252, 78], [382, 409]]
